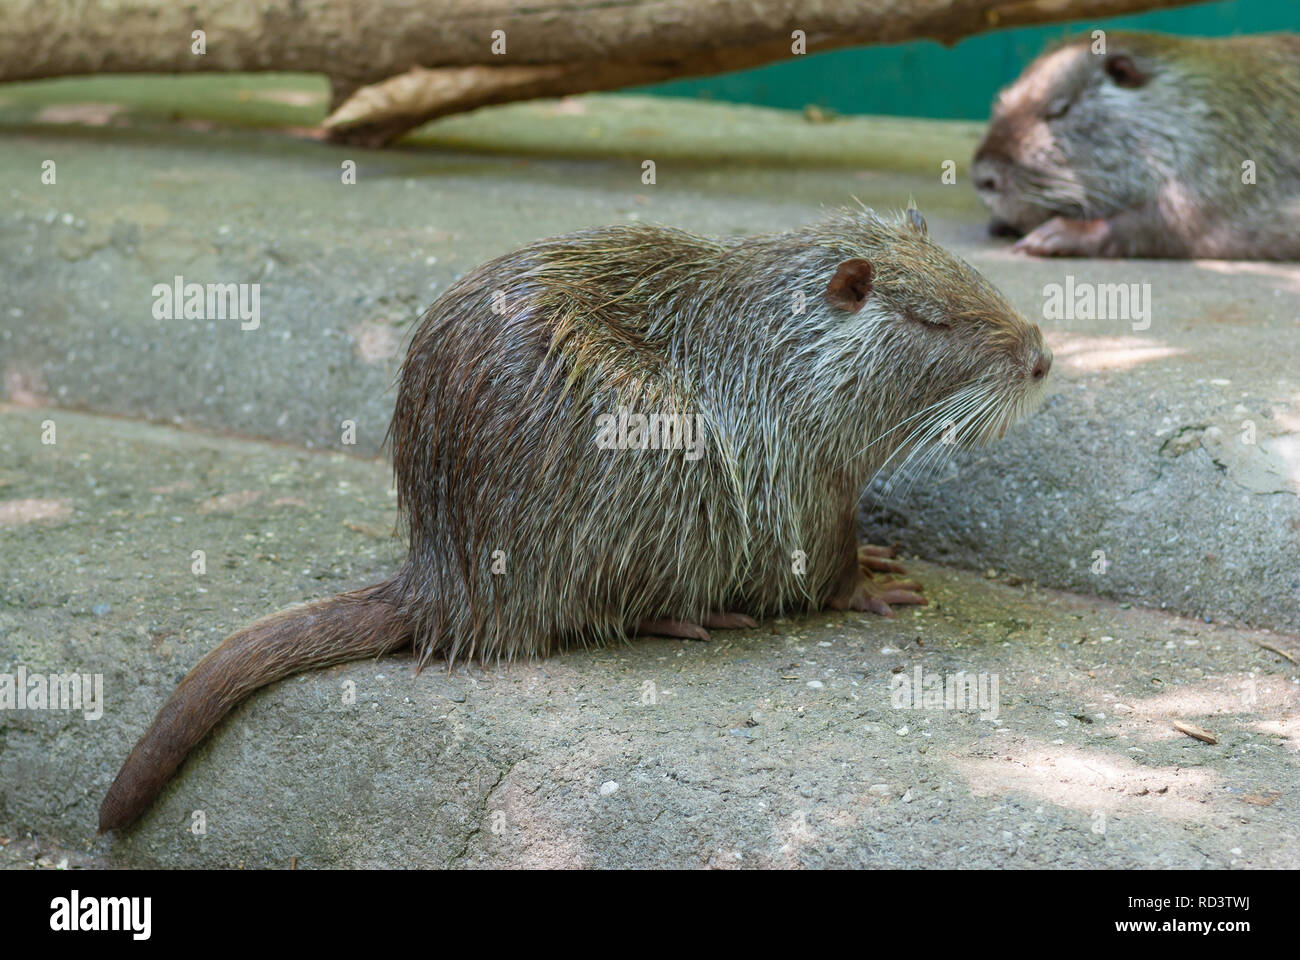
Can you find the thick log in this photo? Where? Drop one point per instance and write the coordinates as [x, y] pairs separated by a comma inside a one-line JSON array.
[[434, 57]]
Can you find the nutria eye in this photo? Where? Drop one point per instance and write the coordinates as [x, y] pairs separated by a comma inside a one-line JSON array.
[[916, 317], [1124, 71], [1057, 108]]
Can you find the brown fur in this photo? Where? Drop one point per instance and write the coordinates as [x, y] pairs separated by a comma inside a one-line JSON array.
[[807, 358], [362, 623]]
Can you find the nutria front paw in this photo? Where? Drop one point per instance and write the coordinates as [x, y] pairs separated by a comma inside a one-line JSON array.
[[874, 559], [870, 593], [1062, 237]]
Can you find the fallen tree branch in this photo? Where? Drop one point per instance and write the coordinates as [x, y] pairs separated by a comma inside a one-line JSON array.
[[408, 61]]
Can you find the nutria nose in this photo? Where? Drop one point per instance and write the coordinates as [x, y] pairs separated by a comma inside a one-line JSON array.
[[986, 167], [1042, 363]]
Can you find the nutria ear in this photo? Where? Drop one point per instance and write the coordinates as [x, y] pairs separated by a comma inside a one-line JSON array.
[[1124, 71], [851, 285]]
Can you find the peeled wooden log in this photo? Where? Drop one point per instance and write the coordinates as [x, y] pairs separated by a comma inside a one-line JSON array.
[[394, 64]]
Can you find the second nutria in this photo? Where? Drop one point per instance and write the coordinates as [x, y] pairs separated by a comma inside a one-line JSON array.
[[1158, 146], [545, 507]]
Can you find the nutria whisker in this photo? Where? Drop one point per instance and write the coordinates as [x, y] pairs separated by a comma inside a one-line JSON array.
[[915, 442], [911, 470]]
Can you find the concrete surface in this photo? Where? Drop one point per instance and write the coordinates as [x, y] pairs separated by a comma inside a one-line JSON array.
[[1132, 483], [1138, 453], [775, 746]]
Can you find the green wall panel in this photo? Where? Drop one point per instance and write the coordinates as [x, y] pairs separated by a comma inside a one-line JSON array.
[[926, 79]]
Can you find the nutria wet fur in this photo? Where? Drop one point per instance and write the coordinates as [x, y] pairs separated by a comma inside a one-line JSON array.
[[807, 357], [1138, 151]]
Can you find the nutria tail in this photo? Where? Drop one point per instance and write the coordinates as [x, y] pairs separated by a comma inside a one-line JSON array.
[[351, 626]]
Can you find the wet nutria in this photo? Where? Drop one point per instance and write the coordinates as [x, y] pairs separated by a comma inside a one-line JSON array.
[[1158, 146], [799, 362]]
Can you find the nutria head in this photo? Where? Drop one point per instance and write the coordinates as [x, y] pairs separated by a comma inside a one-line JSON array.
[[1084, 133], [944, 354]]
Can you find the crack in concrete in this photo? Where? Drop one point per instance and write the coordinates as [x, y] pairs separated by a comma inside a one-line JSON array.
[[484, 810]]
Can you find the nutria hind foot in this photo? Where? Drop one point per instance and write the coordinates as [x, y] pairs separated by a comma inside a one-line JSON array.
[[730, 621], [690, 630]]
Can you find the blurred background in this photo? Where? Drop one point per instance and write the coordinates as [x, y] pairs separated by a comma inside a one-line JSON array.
[[881, 80], [960, 80]]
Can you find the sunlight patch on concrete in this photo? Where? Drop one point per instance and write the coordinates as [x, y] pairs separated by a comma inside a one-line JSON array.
[[1091, 781], [1084, 354], [15, 513], [1283, 276]]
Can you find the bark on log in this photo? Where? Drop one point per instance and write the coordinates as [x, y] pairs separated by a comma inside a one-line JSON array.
[[437, 56]]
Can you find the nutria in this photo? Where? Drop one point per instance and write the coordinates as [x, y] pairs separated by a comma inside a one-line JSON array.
[[807, 358], [1156, 146]]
